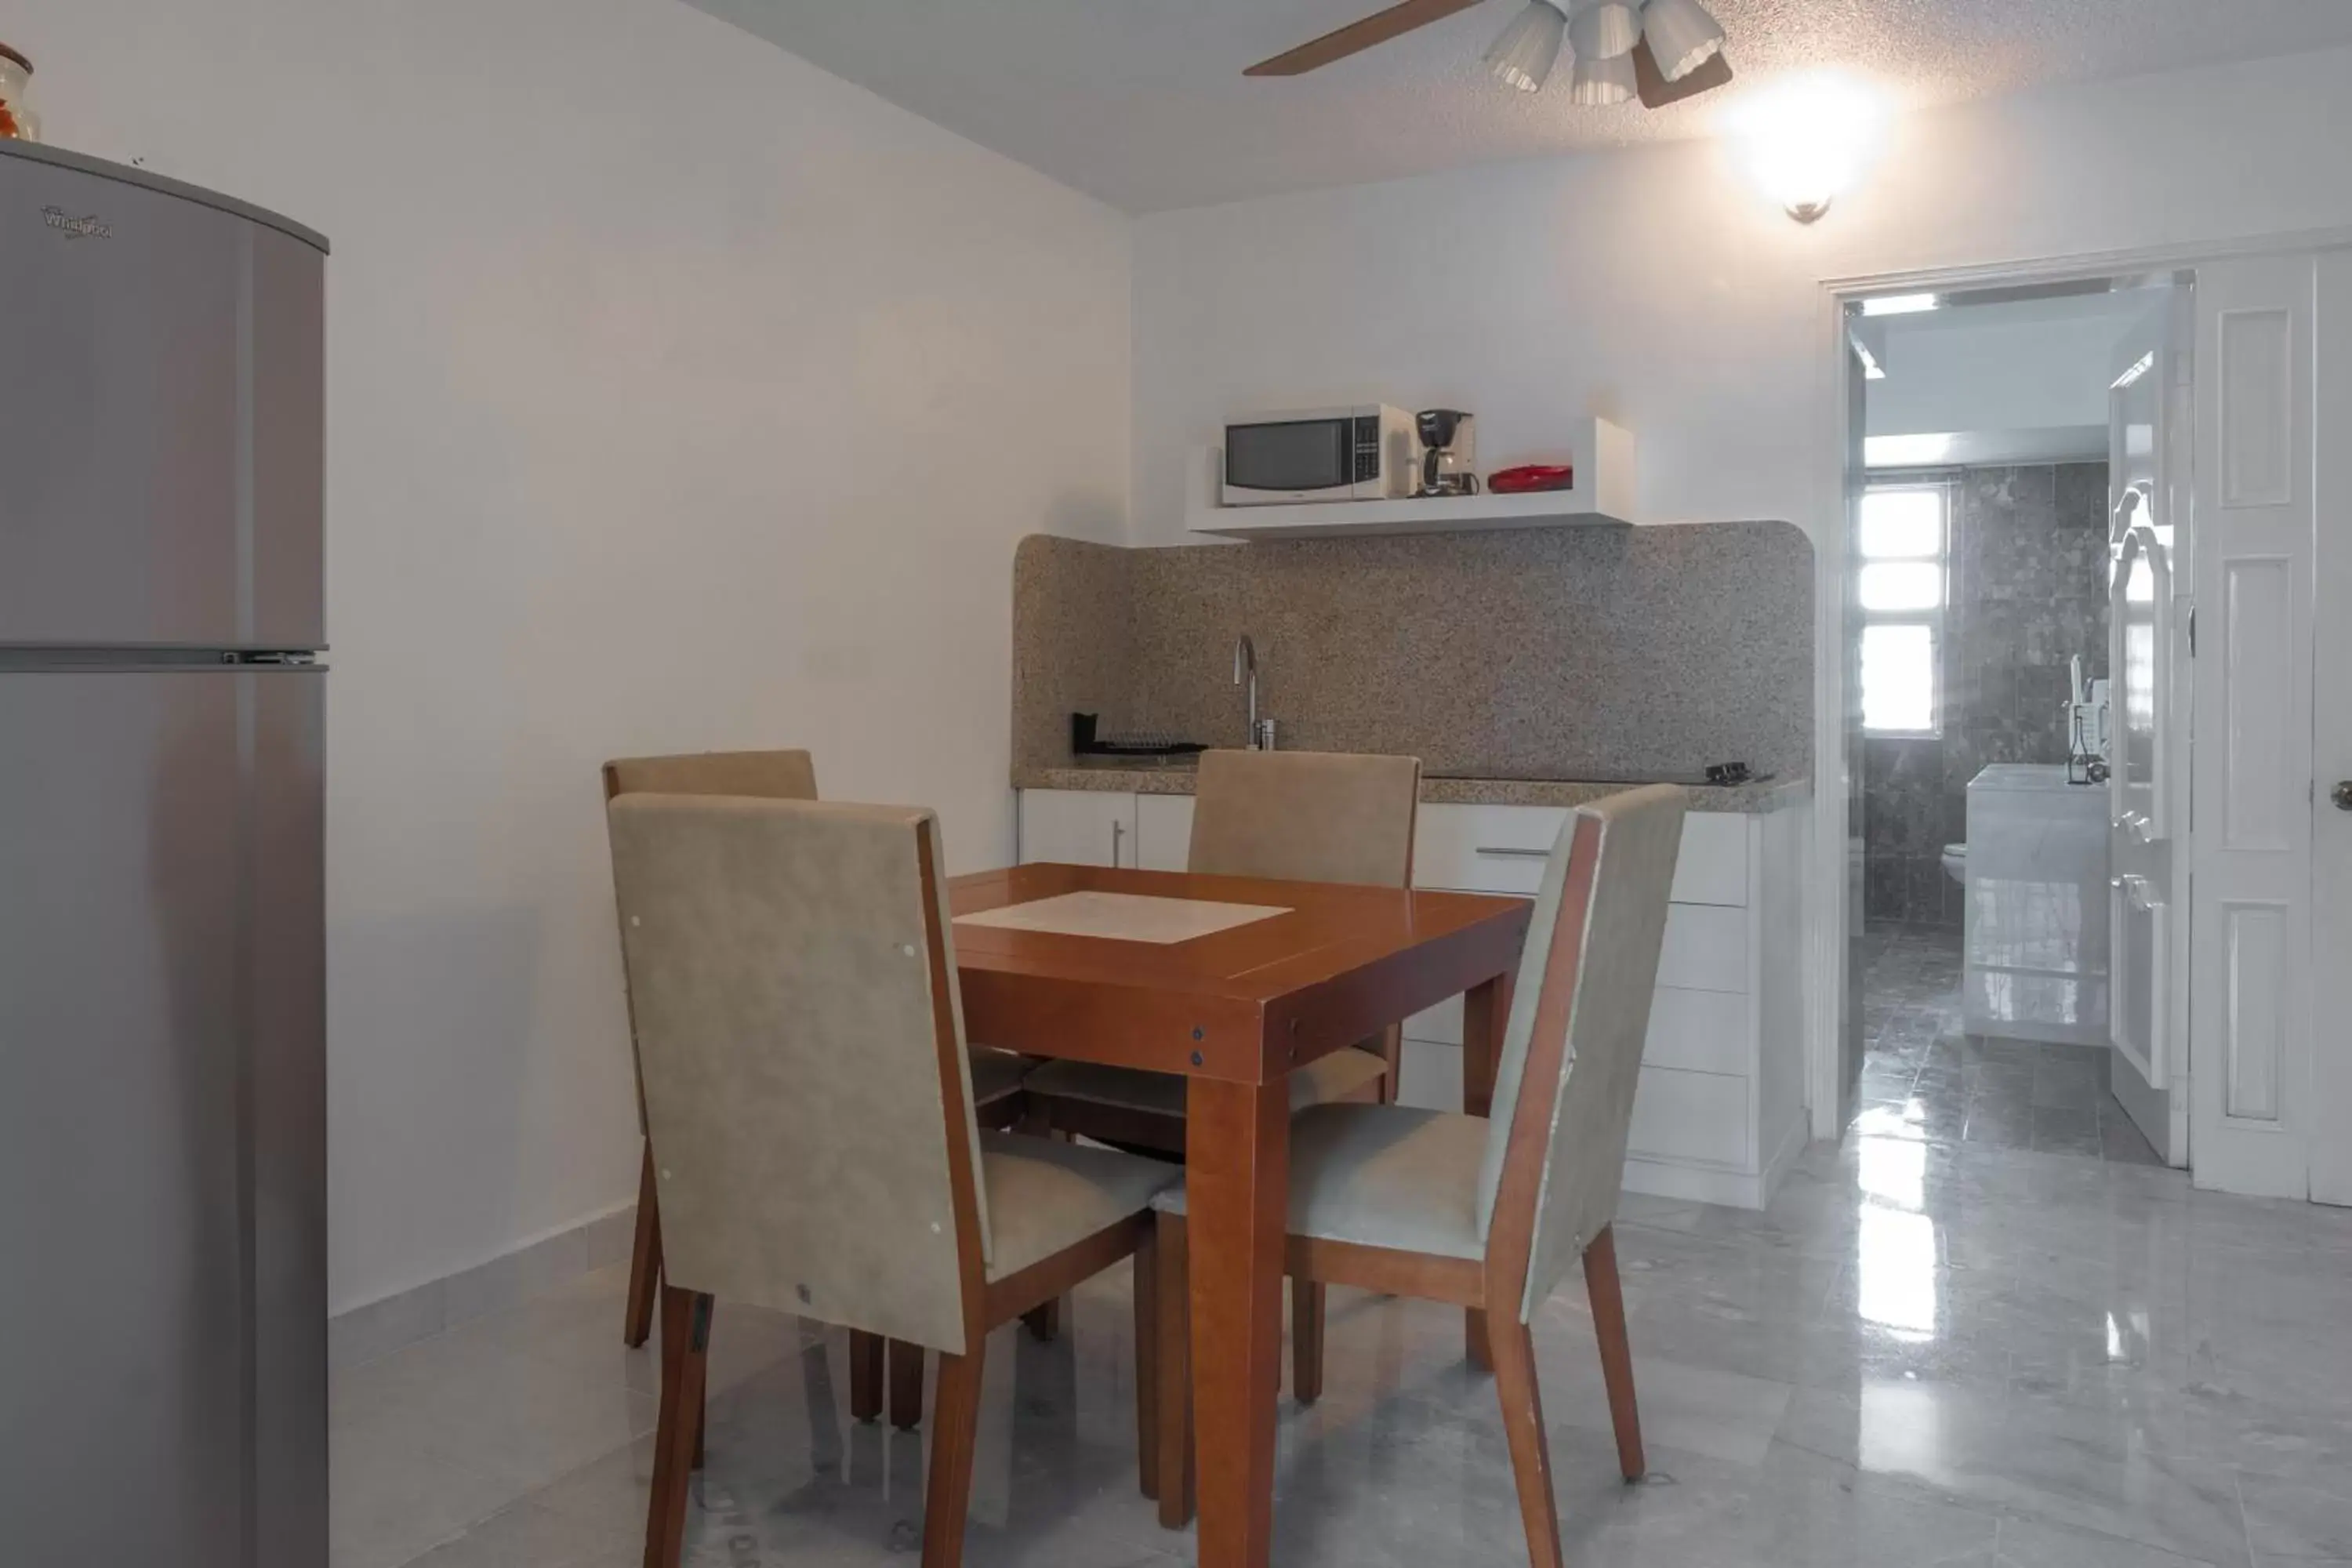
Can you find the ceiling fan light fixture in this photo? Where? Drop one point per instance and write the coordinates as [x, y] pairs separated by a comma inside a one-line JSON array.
[[1604, 30], [1683, 35], [1600, 83], [1530, 46]]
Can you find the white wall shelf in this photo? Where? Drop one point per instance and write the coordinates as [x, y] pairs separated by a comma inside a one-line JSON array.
[[1603, 494]]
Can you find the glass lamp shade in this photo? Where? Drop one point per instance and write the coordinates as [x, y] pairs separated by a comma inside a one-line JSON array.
[[1602, 82], [1530, 46], [1681, 36], [1604, 30]]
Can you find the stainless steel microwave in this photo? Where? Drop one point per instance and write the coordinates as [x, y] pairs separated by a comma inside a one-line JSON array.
[[1319, 453]]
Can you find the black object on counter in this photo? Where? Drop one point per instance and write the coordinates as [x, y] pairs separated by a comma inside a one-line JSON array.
[[1086, 740]]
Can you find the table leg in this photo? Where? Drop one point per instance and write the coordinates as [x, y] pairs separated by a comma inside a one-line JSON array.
[[1486, 1015], [1237, 1194]]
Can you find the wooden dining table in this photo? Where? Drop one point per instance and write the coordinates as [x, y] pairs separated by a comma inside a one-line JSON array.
[[1234, 1011]]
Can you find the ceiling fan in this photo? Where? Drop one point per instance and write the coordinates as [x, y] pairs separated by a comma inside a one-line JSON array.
[[1662, 51]]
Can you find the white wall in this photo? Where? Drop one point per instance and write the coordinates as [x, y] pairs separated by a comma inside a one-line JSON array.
[[681, 396], [1655, 287]]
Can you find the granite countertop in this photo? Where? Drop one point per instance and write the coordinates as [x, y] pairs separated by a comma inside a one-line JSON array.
[[1748, 799]]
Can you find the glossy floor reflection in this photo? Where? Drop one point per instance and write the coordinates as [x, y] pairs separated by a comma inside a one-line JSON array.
[[1923, 1352], [1922, 1077], [1987, 1330]]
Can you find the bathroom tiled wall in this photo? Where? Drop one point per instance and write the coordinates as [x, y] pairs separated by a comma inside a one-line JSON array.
[[2029, 590]]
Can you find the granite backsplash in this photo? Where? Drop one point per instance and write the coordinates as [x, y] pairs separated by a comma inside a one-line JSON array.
[[1553, 653]]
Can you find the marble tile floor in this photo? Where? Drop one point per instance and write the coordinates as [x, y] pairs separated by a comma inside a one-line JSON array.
[[1930, 1353], [1922, 1077]]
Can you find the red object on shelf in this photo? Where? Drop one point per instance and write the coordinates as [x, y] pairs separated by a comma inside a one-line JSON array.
[[1532, 476]]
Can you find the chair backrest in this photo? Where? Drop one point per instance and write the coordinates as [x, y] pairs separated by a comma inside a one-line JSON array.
[[769, 775], [1305, 816], [1572, 1052], [808, 1097]]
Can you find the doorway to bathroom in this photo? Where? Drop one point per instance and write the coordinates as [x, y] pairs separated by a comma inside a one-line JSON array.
[[2004, 434]]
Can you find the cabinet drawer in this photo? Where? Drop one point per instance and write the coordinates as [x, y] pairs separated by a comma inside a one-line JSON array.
[[1706, 947], [1690, 1116], [1696, 1116], [1501, 850], [1483, 848], [1713, 865], [1699, 1031]]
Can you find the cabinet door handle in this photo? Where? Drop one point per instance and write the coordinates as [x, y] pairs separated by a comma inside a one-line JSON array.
[[1118, 836], [1509, 854]]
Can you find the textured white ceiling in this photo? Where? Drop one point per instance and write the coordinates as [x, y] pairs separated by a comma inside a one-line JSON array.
[[1142, 103]]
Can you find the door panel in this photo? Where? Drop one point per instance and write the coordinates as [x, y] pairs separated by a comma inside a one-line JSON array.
[[1855, 954], [288, 427], [2148, 654], [162, 1153], [2250, 982], [121, 1203], [2331, 856], [138, 506], [1078, 826], [283, 715]]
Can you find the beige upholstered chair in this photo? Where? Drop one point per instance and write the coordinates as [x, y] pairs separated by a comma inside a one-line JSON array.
[[996, 1075], [1489, 1214], [1301, 816], [809, 1104]]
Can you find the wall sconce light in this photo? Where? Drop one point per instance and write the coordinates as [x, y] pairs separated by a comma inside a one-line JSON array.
[[1805, 138]]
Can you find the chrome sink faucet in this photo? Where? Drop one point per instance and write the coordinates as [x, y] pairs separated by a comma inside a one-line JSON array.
[[1261, 731]]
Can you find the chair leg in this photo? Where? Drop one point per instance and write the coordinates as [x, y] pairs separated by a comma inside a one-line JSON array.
[[686, 1339], [1306, 1340], [905, 1385], [702, 1393], [1602, 1284], [955, 1426], [1147, 1359], [1513, 1347], [865, 1374], [1044, 1320], [644, 1259], [1172, 1450]]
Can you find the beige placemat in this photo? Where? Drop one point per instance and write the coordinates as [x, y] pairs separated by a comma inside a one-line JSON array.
[[1123, 917]]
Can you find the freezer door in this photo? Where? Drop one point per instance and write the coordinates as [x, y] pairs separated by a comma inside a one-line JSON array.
[[162, 1356], [162, 420]]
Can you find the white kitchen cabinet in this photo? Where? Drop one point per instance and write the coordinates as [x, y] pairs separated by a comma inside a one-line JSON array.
[[1719, 1114], [1163, 832], [1077, 826]]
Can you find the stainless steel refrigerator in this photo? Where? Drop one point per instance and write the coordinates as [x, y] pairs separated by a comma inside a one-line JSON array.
[[162, 1112]]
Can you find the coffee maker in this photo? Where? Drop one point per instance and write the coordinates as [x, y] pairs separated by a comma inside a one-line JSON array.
[[1449, 452]]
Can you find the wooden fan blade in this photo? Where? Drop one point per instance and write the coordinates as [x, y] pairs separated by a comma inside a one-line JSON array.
[[1656, 91], [1358, 36]]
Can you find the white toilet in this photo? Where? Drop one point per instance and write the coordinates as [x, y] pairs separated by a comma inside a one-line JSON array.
[[1955, 863]]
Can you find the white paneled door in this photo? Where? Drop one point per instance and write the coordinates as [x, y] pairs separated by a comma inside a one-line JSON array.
[[2149, 514], [2253, 1117], [2331, 805]]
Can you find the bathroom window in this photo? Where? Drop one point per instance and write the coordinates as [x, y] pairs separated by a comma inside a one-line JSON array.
[[1905, 533]]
